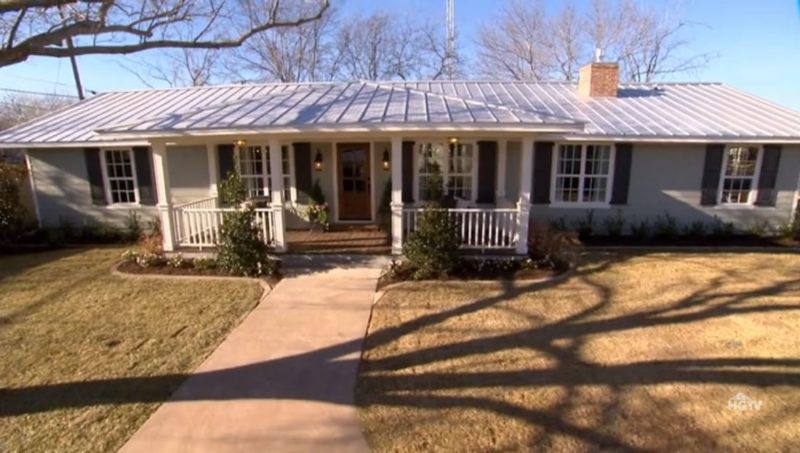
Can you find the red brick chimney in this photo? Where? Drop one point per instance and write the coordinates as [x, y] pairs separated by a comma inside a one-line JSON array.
[[598, 80]]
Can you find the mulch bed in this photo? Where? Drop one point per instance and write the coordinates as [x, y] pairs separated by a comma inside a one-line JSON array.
[[478, 270], [133, 268]]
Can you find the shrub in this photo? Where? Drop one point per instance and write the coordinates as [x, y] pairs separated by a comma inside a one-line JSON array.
[[133, 226], [696, 229], [202, 264], [559, 224], [432, 249], [232, 190], [241, 251], [666, 226], [177, 261], [129, 256], [792, 229], [720, 229], [760, 228], [67, 228], [552, 247], [151, 241], [150, 260], [615, 224], [90, 230], [641, 230], [12, 211], [585, 225]]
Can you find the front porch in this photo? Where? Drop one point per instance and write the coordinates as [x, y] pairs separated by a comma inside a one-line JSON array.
[[364, 183]]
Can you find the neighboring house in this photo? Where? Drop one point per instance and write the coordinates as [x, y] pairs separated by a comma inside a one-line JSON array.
[[509, 151]]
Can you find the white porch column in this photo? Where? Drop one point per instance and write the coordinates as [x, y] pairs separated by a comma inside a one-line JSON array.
[[500, 191], [161, 173], [276, 193], [524, 203], [397, 195], [213, 170]]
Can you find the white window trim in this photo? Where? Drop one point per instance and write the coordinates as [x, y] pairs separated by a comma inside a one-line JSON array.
[[266, 177], [473, 173], [581, 176], [753, 195], [107, 183]]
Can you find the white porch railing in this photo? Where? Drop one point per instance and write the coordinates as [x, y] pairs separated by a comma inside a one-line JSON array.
[[197, 224], [478, 228]]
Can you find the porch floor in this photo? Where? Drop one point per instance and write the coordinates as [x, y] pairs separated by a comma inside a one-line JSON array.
[[340, 239]]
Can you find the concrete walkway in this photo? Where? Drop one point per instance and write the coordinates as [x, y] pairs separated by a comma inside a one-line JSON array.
[[282, 381]]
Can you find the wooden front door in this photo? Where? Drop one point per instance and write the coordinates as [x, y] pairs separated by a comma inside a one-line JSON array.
[[354, 181]]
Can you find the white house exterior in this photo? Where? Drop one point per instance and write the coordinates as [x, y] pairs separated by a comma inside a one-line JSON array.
[[510, 152]]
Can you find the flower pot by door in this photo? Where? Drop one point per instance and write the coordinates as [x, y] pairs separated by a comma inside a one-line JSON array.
[[354, 181]]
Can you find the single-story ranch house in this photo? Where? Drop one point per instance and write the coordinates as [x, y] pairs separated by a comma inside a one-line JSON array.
[[508, 152]]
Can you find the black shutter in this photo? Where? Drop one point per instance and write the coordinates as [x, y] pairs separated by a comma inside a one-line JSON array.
[[408, 172], [225, 160], [302, 171], [487, 171], [144, 175], [622, 173], [711, 173], [542, 167], [95, 174], [768, 176]]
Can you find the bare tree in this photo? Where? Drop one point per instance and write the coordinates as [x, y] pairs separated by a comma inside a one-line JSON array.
[[18, 108], [40, 27], [383, 46], [180, 67], [526, 42], [296, 54]]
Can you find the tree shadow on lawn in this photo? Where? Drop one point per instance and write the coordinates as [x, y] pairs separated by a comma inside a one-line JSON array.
[[307, 376]]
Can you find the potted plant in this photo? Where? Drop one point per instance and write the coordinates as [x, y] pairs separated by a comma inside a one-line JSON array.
[[317, 211]]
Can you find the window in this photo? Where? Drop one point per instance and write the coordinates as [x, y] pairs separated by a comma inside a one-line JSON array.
[[456, 162], [254, 169], [740, 165], [582, 173], [120, 176]]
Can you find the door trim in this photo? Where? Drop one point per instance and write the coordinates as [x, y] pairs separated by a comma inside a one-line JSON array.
[[336, 181]]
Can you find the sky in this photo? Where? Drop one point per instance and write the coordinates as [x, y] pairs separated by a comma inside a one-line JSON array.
[[756, 44]]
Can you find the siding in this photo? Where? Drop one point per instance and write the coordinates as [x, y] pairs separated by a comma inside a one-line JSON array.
[[668, 177], [188, 173]]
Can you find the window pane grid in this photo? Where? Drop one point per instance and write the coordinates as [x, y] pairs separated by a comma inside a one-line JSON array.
[[455, 163], [582, 173], [739, 176], [119, 173], [255, 171]]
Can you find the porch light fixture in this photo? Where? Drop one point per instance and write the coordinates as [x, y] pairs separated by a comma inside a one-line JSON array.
[[385, 159], [240, 142], [453, 140], [318, 161]]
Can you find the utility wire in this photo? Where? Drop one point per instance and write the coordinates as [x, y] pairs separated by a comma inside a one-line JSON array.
[[39, 93]]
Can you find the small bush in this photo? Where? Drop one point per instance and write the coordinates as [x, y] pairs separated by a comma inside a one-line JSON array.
[[641, 230], [585, 225], [91, 230], [151, 241], [760, 228], [232, 190], [615, 224], [552, 247], [129, 256], [178, 261], [133, 226], [12, 212], [203, 264], [241, 251], [559, 224], [720, 229], [666, 226], [67, 228], [695, 230], [150, 260], [317, 211], [432, 249]]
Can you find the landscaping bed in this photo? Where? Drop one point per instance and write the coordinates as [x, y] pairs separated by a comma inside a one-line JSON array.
[[689, 241]]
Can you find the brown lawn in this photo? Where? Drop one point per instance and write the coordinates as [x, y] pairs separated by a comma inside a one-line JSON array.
[[87, 356], [633, 352]]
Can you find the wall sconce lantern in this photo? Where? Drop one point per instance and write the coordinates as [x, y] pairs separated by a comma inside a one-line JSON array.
[[318, 161], [240, 142], [386, 160], [453, 140]]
